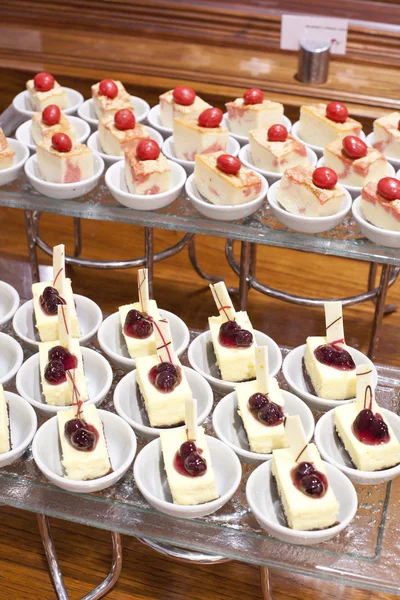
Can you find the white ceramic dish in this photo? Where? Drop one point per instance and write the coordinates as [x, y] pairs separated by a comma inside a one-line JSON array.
[[23, 106], [307, 224], [202, 358], [9, 302], [23, 425], [293, 372], [243, 139], [229, 426], [115, 181], [23, 133], [263, 499], [89, 314], [152, 482], [154, 119], [319, 150], [63, 191], [224, 213], [112, 342], [332, 450], [169, 151], [383, 237], [110, 159], [370, 139], [86, 111], [271, 177], [20, 158], [11, 357], [97, 370], [129, 404], [121, 445]]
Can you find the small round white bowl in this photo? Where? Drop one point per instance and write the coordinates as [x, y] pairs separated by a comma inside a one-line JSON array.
[[293, 372], [23, 133], [112, 341], [109, 159], [228, 425], [263, 499], [272, 177], [333, 451], [129, 404], [394, 161], [225, 213], [9, 302], [86, 111], [355, 190], [202, 358], [63, 191], [23, 425], [115, 181], [154, 119], [97, 371], [244, 139], [383, 237], [319, 150], [23, 106], [89, 314], [169, 151], [20, 158], [121, 446], [152, 482], [11, 357], [307, 224]]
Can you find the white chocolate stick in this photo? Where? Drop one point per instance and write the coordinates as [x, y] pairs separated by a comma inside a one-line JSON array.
[[262, 369], [191, 418], [164, 345], [64, 325], [59, 268], [365, 388], [223, 301], [143, 289], [74, 391], [295, 436], [334, 322]]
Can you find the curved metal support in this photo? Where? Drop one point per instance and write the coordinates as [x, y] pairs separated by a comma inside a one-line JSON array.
[[185, 556], [77, 236], [373, 268], [265, 578], [98, 592], [199, 270]]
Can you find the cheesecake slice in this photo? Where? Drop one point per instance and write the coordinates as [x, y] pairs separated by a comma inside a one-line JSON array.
[[381, 210], [329, 369], [60, 166], [6, 153], [41, 130], [307, 498], [109, 96], [44, 90], [276, 156], [146, 176], [5, 432], [180, 102], [190, 138], [316, 128], [114, 139], [253, 111], [354, 162], [298, 194], [387, 135], [232, 338]]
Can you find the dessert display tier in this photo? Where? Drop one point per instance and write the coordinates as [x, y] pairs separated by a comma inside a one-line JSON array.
[[365, 554]]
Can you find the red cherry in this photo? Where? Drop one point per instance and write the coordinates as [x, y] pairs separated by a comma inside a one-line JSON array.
[[184, 95], [228, 164], [124, 119], [253, 96], [277, 133], [61, 142], [354, 146], [389, 188], [211, 117], [324, 178], [148, 150], [51, 115], [108, 87], [336, 111], [44, 82]]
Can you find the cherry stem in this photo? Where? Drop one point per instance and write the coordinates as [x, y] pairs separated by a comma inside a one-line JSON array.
[[75, 394], [140, 283], [65, 320], [59, 272], [368, 390], [223, 308], [165, 343]]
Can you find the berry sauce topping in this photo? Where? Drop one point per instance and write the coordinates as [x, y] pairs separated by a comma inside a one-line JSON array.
[[335, 356], [389, 188], [267, 412], [147, 150], [354, 147], [108, 88], [165, 376], [309, 481], [253, 96], [60, 361], [44, 82], [61, 142], [184, 95], [228, 164], [124, 119], [231, 335], [336, 111], [368, 428], [324, 178], [81, 435], [277, 133], [137, 325], [211, 117], [51, 115], [188, 460], [62, 354], [49, 300]]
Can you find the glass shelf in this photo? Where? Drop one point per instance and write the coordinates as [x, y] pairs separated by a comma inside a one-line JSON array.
[[366, 554]]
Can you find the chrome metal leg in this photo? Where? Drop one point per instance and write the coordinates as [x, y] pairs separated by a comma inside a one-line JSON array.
[[98, 592], [77, 236], [373, 267], [379, 310], [149, 250], [185, 556], [196, 266], [245, 260], [253, 259], [31, 239], [265, 578]]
